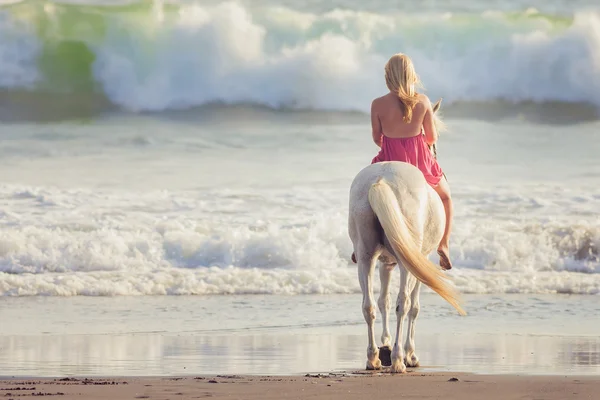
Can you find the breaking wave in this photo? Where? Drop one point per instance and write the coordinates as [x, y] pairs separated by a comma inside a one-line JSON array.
[[154, 57]]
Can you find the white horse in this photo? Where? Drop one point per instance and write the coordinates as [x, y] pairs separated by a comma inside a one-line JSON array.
[[397, 218]]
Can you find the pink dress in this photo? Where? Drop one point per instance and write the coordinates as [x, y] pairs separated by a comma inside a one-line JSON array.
[[412, 150]]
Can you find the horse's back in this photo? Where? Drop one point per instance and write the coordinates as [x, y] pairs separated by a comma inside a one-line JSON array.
[[418, 202], [406, 180]]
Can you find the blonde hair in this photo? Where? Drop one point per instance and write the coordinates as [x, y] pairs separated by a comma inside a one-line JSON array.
[[401, 79]]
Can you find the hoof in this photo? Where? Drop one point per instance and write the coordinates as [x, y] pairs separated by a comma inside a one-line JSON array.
[[385, 356], [373, 366], [398, 368], [412, 362]]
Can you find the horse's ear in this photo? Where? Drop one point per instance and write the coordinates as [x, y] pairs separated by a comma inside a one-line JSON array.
[[437, 105]]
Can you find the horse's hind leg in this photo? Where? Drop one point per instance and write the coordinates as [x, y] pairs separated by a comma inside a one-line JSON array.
[[402, 306], [411, 358], [366, 267], [385, 271]]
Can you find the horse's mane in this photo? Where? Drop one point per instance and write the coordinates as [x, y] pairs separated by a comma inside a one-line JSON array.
[[440, 126]]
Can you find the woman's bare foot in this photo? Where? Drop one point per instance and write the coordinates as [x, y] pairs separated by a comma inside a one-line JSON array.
[[444, 258], [444, 191]]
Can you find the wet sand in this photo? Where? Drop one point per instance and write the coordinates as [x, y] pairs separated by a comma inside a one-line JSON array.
[[346, 386], [287, 336]]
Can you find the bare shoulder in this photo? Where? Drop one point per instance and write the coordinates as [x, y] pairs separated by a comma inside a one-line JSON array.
[[377, 103], [378, 100], [423, 99]]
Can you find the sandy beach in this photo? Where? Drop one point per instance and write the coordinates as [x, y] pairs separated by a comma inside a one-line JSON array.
[[540, 355], [347, 386]]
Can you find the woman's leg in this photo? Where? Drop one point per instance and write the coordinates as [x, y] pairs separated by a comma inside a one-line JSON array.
[[443, 189]]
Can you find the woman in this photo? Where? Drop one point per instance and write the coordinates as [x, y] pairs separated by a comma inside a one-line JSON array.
[[399, 120]]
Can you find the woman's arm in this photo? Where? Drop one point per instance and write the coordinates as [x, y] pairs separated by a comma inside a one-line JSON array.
[[376, 125], [431, 134]]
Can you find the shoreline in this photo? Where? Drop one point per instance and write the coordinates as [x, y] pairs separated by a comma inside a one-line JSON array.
[[175, 336], [343, 385]]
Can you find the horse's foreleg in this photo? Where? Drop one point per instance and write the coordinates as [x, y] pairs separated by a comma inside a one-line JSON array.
[[411, 358], [385, 273], [402, 306], [366, 267]]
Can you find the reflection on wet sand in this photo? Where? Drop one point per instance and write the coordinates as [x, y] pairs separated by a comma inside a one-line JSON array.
[[175, 335], [282, 353]]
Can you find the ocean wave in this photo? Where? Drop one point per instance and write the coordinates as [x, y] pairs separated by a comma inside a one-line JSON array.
[[235, 281], [147, 57], [67, 243]]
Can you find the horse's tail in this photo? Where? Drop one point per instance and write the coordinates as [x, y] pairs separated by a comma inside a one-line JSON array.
[[398, 232]]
